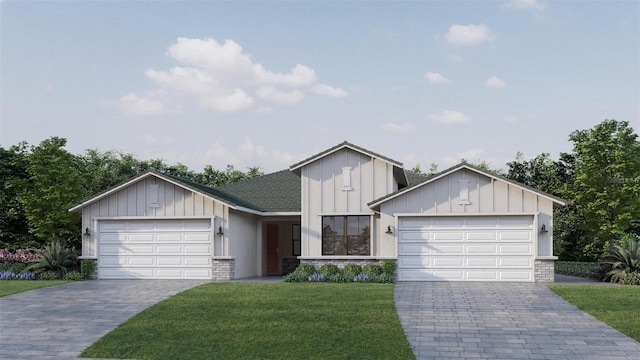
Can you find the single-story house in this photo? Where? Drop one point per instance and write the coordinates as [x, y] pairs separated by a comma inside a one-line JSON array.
[[345, 204]]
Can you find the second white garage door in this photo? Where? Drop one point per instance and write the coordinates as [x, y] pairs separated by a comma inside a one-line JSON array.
[[155, 249], [474, 248]]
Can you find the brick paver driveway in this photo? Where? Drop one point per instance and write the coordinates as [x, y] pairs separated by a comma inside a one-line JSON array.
[[502, 321], [59, 322]]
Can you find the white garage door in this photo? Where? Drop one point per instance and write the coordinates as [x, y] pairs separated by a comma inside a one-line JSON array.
[[155, 249], [477, 248]]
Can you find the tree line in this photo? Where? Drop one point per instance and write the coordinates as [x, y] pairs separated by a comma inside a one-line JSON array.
[[599, 179], [41, 182]]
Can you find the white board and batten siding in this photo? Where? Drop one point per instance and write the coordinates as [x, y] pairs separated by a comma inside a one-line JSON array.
[[458, 248], [155, 249]]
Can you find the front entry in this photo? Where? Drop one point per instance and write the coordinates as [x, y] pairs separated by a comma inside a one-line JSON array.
[[273, 249]]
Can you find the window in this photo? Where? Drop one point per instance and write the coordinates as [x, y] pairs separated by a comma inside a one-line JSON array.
[[345, 235], [295, 237]]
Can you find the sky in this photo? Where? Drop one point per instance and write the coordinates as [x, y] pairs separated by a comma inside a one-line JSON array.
[[269, 83]]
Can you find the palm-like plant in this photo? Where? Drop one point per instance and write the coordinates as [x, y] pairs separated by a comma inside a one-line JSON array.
[[55, 257], [623, 261]]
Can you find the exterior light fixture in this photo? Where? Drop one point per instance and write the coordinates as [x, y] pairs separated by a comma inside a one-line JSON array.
[[389, 230], [220, 232], [87, 232], [543, 229]]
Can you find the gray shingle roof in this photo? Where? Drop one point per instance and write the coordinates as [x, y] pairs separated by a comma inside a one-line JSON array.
[[275, 192]]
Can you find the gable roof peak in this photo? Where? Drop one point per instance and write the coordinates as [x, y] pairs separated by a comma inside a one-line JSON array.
[[340, 146]]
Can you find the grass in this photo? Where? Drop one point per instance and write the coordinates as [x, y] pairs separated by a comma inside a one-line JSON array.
[[264, 321], [575, 268], [617, 306], [10, 287]]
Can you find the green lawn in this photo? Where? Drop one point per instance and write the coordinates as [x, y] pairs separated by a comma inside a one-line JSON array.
[[9, 287], [617, 306], [264, 321]]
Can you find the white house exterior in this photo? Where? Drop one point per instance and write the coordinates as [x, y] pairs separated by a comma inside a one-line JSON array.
[[346, 204]]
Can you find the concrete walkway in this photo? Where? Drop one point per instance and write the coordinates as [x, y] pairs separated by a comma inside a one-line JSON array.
[[502, 321], [59, 322]]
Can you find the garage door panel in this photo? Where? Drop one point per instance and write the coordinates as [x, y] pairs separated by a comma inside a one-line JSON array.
[[414, 261], [141, 225], [197, 261], [113, 249], [197, 249], [113, 226], [169, 260], [140, 238], [138, 249], [483, 248], [142, 273], [197, 237], [448, 236], [169, 249], [515, 248], [114, 273], [112, 261], [169, 237], [113, 238], [197, 273], [513, 236], [141, 261], [197, 224], [448, 261], [167, 273]]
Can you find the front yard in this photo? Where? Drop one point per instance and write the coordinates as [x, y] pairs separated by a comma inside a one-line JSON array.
[[264, 321], [9, 287], [617, 306]]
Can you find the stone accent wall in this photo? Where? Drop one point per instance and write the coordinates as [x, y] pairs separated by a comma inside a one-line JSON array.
[[543, 270], [339, 262], [223, 269]]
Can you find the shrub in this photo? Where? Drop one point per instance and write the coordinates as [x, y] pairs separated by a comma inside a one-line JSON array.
[[632, 278], [86, 268], [21, 256], [623, 260], [361, 278], [315, 277], [384, 278], [305, 269], [372, 269], [389, 266], [73, 276], [54, 257], [340, 278], [351, 270], [47, 275], [296, 277], [575, 268], [328, 270]]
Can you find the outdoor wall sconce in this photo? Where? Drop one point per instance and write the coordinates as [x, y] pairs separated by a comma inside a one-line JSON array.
[[543, 229], [389, 230], [220, 231], [87, 232]]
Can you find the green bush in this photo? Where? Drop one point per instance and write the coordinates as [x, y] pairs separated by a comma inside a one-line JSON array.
[[305, 269], [340, 278], [73, 276], [296, 277], [86, 268], [623, 260], [54, 257], [328, 270], [389, 266], [372, 270], [47, 275], [383, 278], [632, 278], [576, 268], [13, 267], [352, 270]]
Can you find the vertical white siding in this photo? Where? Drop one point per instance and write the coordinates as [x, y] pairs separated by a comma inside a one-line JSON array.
[[243, 243]]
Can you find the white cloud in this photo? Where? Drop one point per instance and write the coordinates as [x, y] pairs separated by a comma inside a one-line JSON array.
[[523, 5], [450, 117], [132, 104], [511, 119], [264, 110], [397, 127], [272, 94], [223, 78], [436, 78], [468, 34], [330, 91], [495, 83]]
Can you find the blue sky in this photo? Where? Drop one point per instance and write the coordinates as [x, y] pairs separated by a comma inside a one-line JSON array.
[[270, 83]]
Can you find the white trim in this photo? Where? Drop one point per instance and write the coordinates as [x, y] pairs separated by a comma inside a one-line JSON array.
[[321, 155], [466, 214], [267, 213], [347, 214], [82, 257], [98, 218], [457, 168], [222, 257], [345, 257], [545, 258]]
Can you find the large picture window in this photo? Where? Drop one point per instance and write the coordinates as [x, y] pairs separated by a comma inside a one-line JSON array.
[[345, 235]]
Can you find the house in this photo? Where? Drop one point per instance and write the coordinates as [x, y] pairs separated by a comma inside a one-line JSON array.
[[345, 204]]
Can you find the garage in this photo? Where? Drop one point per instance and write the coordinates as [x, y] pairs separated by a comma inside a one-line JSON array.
[[466, 248], [155, 249]]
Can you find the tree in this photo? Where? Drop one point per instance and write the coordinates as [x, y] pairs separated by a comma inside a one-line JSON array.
[[51, 186], [606, 189], [13, 220]]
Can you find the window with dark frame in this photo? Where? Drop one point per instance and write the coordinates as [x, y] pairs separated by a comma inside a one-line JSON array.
[[295, 237], [346, 235]]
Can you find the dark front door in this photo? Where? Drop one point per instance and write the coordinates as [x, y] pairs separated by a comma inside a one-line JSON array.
[[273, 249]]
